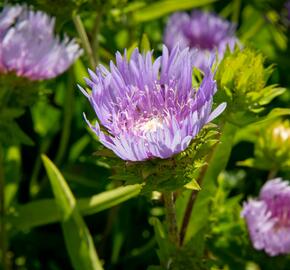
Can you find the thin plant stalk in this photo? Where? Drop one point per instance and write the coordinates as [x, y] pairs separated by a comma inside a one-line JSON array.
[[189, 206], [68, 113], [95, 42], [84, 38], [3, 243], [236, 11], [193, 195], [34, 184], [272, 173], [171, 217]]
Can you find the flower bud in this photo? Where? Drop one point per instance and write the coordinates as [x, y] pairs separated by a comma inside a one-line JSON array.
[[241, 79], [273, 146]]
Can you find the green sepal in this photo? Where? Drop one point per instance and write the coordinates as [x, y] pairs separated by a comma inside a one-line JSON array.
[[179, 171], [193, 185]]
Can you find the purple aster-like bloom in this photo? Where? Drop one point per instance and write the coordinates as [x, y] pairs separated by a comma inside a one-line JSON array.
[[268, 218], [150, 109], [203, 31], [28, 46]]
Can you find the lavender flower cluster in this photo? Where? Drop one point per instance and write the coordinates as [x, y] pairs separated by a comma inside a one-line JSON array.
[[204, 32], [28, 46], [268, 218]]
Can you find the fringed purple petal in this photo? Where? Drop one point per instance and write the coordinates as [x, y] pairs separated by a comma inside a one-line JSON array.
[[150, 109], [217, 111], [28, 46], [268, 218], [203, 31]]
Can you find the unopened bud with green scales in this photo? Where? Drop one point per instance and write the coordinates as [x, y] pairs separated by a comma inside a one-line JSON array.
[[242, 82], [272, 148]]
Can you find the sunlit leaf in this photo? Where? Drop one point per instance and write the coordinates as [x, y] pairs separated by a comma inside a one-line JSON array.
[[249, 133], [79, 241], [161, 8], [42, 212]]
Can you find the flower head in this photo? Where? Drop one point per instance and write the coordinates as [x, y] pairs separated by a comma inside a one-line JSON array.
[[150, 109], [28, 46], [203, 31], [268, 218]]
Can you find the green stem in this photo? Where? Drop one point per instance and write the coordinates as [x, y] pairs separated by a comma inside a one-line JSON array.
[[171, 217], [84, 38], [96, 31], [253, 30], [236, 11], [272, 173], [227, 10], [191, 200], [216, 164], [193, 195], [34, 184], [68, 114], [3, 244]]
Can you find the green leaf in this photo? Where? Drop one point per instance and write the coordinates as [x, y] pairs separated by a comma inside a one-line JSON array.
[[270, 93], [80, 71], [10, 113], [78, 239], [253, 22], [45, 211], [155, 267], [164, 251], [11, 133], [108, 199], [160, 8], [12, 174], [145, 43], [193, 185], [133, 6], [249, 133], [250, 162], [46, 118], [77, 148], [275, 113]]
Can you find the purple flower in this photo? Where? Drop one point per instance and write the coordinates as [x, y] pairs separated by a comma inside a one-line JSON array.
[[203, 31], [28, 46], [268, 218], [287, 6], [150, 110]]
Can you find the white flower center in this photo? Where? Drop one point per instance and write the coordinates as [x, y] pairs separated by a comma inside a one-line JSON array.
[[150, 125]]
